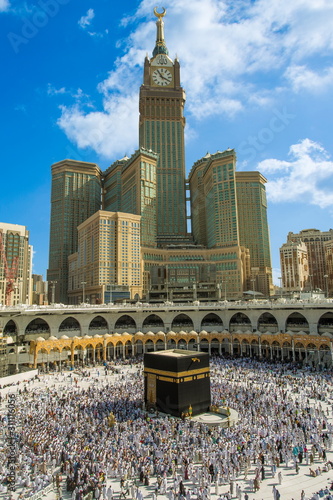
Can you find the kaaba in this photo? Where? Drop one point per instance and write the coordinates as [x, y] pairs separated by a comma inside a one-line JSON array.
[[177, 382]]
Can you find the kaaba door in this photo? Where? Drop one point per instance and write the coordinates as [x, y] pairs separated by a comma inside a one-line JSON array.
[[151, 388]]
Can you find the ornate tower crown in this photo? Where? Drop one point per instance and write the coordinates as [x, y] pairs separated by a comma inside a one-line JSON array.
[[160, 47]]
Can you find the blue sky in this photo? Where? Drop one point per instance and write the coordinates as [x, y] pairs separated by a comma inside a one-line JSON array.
[[258, 76]]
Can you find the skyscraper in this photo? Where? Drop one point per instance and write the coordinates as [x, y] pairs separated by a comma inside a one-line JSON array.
[[294, 266], [161, 128], [314, 240], [214, 200], [129, 186], [15, 241], [228, 209], [108, 258], [75, 196], [253, 228]]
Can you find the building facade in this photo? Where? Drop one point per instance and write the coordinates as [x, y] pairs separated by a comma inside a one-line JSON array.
[[273, 330], [75, 196], [230, 208], [294, 267], [315, 241], [226, 227], [253, 229], [39, 290], [16, 256], [108, 263], [161, 129], [129, 186]]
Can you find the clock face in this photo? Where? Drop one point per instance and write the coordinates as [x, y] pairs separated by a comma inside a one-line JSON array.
[[162, 76]]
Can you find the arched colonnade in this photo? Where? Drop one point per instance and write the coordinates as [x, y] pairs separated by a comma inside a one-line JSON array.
[[91, 349]]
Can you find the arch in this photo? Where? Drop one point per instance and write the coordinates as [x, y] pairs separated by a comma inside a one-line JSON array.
[[119, 349], [128, 349], [211, 321], [37, 325], [79, 354], [99, 352], [239, 321], [204, 345], [69, 324], [181, 322], [152, 322], [67, 359], [138, 345], [300, 351], [125, 322], [296, 322], [236, 347], [171, 343], [265, 349], [10, 328], [98, 323], [325, 323], [160, 345], [192, 345], [149, 345], [89, 354], [182, 344], [215, 345], [267, 323]]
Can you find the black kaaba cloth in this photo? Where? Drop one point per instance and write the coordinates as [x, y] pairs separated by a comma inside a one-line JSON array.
[[176, 380]]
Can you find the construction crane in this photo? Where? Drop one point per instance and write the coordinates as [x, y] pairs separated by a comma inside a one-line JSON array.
[[10, 273]]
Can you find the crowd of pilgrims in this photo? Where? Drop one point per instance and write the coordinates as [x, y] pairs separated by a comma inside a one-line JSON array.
[[63, 433]]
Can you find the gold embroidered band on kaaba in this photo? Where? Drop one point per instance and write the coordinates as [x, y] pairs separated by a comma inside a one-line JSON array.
[[178, 377]]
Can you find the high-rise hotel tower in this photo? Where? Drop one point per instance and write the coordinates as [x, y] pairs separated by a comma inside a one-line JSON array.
[[228, 249], [161, 128]]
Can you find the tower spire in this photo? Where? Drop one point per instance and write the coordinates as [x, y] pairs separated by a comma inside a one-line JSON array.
[[160, 47]]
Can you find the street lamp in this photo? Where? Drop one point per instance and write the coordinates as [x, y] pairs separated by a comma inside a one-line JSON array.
[[83, 283], [253, 280], [310, 276], [280, 278], [326, 284], [225, 288], [53, 284]]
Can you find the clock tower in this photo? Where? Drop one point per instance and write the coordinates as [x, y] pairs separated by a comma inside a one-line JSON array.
[[161, 129]]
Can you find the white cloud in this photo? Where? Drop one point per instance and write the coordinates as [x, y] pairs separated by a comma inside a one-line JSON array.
[[4, 5], [51, 90], [233, 55], [302, 77], [85, 21], [306, 177], [104, 131]]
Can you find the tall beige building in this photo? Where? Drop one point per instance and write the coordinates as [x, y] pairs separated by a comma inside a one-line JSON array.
[[294, 266], [109, 255], [328, 249], [129, 186], [314, 240], [18, 252], [161, 129], [229, 208], [75, 196], [253, 228], [39, 290], [212, 186]]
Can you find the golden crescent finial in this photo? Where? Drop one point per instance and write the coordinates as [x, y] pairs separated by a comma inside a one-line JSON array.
[[159, 15]]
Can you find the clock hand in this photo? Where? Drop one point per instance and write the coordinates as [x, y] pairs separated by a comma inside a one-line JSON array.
[[162, 75]]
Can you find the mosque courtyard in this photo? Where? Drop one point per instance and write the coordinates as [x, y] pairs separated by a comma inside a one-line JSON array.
[[65, 447]]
